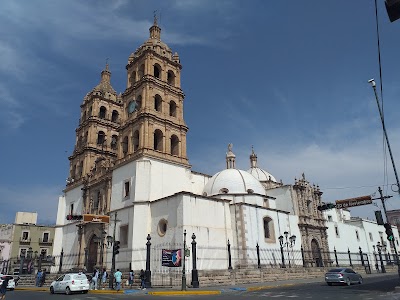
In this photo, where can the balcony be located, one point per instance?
(45, 241)
(24, 240)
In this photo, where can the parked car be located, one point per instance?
(11, 282)
(70, 283)
(342, 275)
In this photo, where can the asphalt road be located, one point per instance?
(371, 289)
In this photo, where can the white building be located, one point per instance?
(130, 161)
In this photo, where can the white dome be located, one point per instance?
(233, 181)
(261, 175)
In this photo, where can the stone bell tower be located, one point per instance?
(153, 104)
(97, 132)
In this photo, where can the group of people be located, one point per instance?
(118, 279)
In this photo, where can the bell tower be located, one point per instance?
(97, 132)
(153, 104)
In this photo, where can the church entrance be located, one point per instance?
(92, 254)
(316, 253)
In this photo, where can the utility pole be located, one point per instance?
(387, 221)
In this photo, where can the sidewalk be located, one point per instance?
(209, 290)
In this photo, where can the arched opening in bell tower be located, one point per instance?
(114, 116)
(174, 145)
(171, 78)
(172, 108)
(157, 103)
(135, 141)
(102, 112)
(100, 138)
(158, 140)
(157, 71)
(141, 72)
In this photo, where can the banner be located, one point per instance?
(171, 258)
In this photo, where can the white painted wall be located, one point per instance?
(283, 197)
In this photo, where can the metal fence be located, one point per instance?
(207, 258)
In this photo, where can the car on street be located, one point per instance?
(70, 283)
(342, 275)
(11, 282)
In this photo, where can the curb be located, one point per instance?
(37, 289)
(166, 293)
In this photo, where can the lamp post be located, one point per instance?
(280, 238)
(376, 260)
(379, 246)
(103, 241)
(292, 241)
(289, 243)
(183, 288)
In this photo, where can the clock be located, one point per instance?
(132, 106)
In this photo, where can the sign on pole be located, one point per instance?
(351, 202)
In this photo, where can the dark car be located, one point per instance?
(342, 275)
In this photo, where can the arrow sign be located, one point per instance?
(351, 202)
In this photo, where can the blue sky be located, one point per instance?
(289, 77)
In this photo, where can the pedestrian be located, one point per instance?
(131, 277)
(142, 279)
(104, 277)
(118, 279)
(43, 279)
(3, 287)
(39, 277)
(95, 278)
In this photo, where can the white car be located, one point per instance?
(70, 283)
(11, 282)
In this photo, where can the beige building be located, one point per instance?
(28, 240)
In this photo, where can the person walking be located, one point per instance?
(142, 279)
(118, 279)
(95, 278)
(38, 277)
(131, 277)
(104, 277)
(3, 287)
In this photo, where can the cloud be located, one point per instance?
(10, 116)
(40, 198)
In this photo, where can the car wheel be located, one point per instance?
(348, 282)
(68, 291)
(360, 280)
(51, 290)
(329, 283)
(85, 292)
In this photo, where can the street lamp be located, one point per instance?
(280, 238)
(183, 288)
(379, 246)
(289, 243)
(376, 260)
(103, 241)
(292, 241)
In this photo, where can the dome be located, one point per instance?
(261, 175)
(233, 181)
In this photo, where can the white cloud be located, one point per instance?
(10, 115)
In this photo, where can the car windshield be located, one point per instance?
(335, 270)
(80, 276)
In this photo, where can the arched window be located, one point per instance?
(157, 71)
(125, 145)
(158, 140)
(114, 140)
(80, 169)
(174, 145)
(269, 232)
(101, 137)
(133, 77)
(102, 112)
(172, 108)
(171, 78)
(138, 102)
(73, 171)
(141, 72)
(157, 103)
(135, 140)
(114, 116)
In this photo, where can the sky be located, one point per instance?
(289, 78)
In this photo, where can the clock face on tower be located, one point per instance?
(132, 106)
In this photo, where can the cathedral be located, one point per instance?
(130, 178)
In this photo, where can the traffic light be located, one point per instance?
(326, 206)
(389, 232)
(74, 217)
(116, 247)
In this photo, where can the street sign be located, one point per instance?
(96, 218)
(351, 202)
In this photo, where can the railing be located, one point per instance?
(23, 240)
(45, 241)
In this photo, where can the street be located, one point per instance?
(372, 289)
